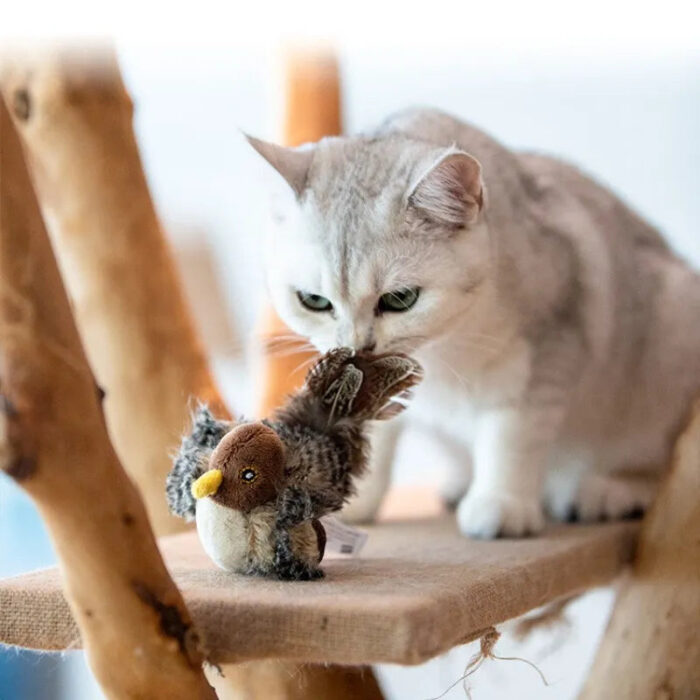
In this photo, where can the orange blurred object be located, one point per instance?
(311, 111)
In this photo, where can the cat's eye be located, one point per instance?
(400, 300)
(314, 302)
(248, 474)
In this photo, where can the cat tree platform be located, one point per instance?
(417, 589)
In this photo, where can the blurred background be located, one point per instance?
(618, 94)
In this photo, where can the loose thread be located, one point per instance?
(487, 643)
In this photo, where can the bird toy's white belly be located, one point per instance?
(240, 542)
(223, 533)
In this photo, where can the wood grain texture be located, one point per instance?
(75, 118)
(651, 648)
(54, 444)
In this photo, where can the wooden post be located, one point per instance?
(75, 117)
(651, 648)
(138, 635)
(311, 111)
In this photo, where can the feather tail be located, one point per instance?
(345, 384)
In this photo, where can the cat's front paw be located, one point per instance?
(490, 515)
(361, 509)
(454, 488)
(601, 497)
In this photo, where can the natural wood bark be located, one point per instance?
(75, 117)
(287, 680)
(651, 648)
(53, 442)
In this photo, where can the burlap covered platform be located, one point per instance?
(418, 589)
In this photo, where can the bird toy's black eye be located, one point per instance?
(249, 475)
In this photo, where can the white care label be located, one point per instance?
(342, 538)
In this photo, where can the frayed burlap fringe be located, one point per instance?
(487, 643)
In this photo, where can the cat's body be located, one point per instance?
(558, 332)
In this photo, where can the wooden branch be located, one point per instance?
(289, 680)
(75, 117)
(651, 648)
(138, 634)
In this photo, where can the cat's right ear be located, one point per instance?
(451, 192)
(291, 163)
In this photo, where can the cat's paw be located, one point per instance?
(453, 489)
(361, 509)
(601, 497)
(490, 515)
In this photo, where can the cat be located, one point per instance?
(559, 334)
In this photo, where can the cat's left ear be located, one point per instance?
(291, 163)
(451, 192)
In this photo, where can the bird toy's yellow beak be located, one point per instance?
(207, 484)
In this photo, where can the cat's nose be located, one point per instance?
(370, 346)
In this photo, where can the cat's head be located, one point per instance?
(382, 244)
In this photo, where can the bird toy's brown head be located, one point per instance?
(245, 470)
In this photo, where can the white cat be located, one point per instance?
(559, 334)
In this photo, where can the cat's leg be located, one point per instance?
(459, 472)
(371, 488)
(510, 453)
(574, 493)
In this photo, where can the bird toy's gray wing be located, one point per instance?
(191, 459)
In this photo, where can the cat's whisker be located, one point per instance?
(289, 352)
(284, 341)
(303, 365)
(290, 349)
(466, 384)
(292, 337)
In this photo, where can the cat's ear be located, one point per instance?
(291, 163)
(451, 192)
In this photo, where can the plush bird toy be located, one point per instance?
(258, 489)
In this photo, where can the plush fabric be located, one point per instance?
(417, 589)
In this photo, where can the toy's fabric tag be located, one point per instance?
(342, 538)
